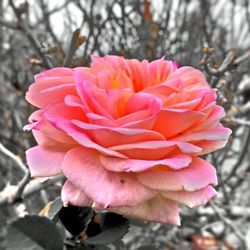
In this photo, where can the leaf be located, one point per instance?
(52, 209)
(113, 227)
(33, 232)
(75, 219)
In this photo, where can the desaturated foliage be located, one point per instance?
(211, 35)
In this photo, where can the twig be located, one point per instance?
(227, 64)
(14, 157)
(25, 180)
(238, 110)
(21, 186)
(238, 121)
(242, 58)
(7, 24)
(72, 48)
(33, 187)
(235, 211)
(228, 223)
(36, 45)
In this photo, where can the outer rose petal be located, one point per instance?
(44, 161)
(74, 196)
(189, 76)
(47, 142)
(132, 165)
(191, 199)
(197, 175)
(51, 131)
(216, 132)
(82, 167)
(157, 209)
(55, 72)
(43, 98)
(210, 146)
(215, 115)
(51, 86)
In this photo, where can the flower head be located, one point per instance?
(127, 135)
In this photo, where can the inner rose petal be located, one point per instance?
(177, 161)
(111, 136)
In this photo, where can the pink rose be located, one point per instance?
(127, 135)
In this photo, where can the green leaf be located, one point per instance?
(75, 219)
(113, 227)
(33, 232)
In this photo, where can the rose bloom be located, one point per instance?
(127, 135)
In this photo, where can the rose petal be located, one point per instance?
(141, 111)
(58, 112)
(216, 114)
(108, 103)
(191, 199)
(197, 175)
(55, 72)
(52, 132)
(82, 167)
(164, 89)
(157, 209)
(111, 136)
(71, 195)
(188, 105)
(171, 122)
(44, 161)
(46, 142)
(43, 94)
(132, 165)
(84, 139)
(210, 146)
(189, 76)
(216, 132)
(100, 120)
(155, 150)
(159, 70)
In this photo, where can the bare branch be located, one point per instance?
(33, 187)
(229, 223)
(14, 157)
(72, 48)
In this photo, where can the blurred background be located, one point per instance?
(212, 35)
